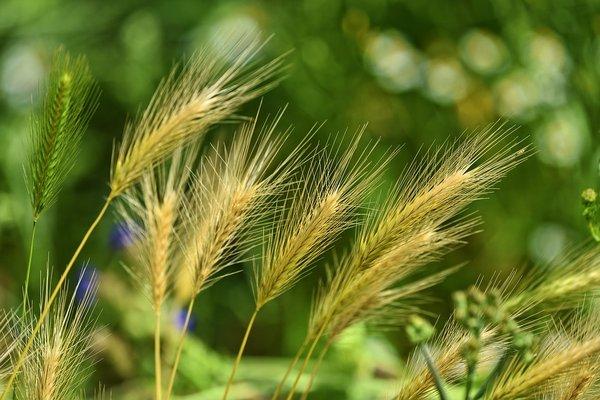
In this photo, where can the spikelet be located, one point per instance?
(412, 229)
(55, 369)
(447, 354)
(227, 200)
(10, 336)
(191, 99)
(318, 213)
(562, 354)
(152, 211)
(578, 384)
(574, 277)
(69, 100)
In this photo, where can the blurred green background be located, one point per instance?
(419, 72)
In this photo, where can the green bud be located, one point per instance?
(419, 330)
(589, 196)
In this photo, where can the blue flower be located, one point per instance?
(87, 279)
(179, 320)
(122, 235)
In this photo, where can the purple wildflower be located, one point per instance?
(179, 320)
(87, 283)
(122, 235)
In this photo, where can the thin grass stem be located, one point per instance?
(240, 353)
(315, 369)
(157, 359)
(469, 382)
(437, 378)
(492, 377)
(26, 288)
(182, 337)
(311, 350)
(23, 354)
(289, 370)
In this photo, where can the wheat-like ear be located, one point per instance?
(413, 228)
(319, 211)
(153, 212)
(562, 354)
(564, 285)
(577, 384)
(195, 96)
(227, 200)
(55, 369)
(68, 101)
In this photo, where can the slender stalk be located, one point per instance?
(315, 369)
(305, 363)
(23, 354)
(180, 347)
(469, 382)
(437, 379)
(240, 353)
(29, 261)
(157, 360)
(492, 377)
(289, 370)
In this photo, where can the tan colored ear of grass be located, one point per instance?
(153, 213)
(518, 382)
(192, 98)
(227, 201)
(563, 356)
(413, 228)
(322, 209)
(565, 285)
(55, 370)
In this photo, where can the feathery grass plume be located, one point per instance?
(414, 227)
(154, 214)
(332, 190)
(575, 276)
(69, 100)
(578, 384)
(10, 336)
(227, 200)
(195, 96)
(153, 211)
(447, 355)
(562, 354)
(55, 368)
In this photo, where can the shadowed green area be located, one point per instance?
(419, 72)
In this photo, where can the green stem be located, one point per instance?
(240, 353)
(437, 379)
(29, 261)
(470, 378)
(306, 359)
(289, 370)
(315, 369)
(492, 377)
(157, 360)
(180, 348)
(23, 354)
